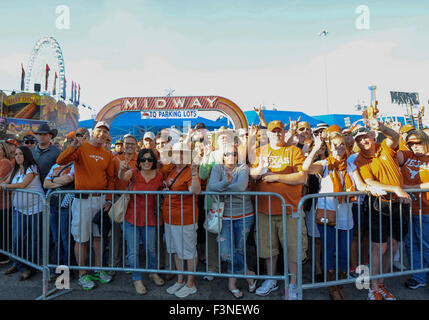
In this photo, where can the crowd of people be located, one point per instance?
(292, 159)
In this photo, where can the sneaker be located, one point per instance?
(175, 287)
(208, 278)
(385, 293)
(86, 282)
(267, 287)
(101, 276)
(185, 291)
(374, 295)
(292, 292)
(414, 284)
(5, 261)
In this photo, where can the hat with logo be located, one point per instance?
(12, 141)
(149, 135)
(275, 124)
(102, 124)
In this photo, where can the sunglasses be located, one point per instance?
(146, 159)
(29, 142)
(78, 135)
(411, 143)
(227, 154)
(303, 129)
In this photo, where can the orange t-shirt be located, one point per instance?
(93, 167)
(190, 210)
(165, 169)
(383, 167)
(121, 184)
(415, 170)
(403, 145)
(285, 160)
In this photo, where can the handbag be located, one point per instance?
(213, 222)
(119, 208)
(328, 217)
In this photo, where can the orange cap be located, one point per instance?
(275, 124)
(406, 128)
(334, 128)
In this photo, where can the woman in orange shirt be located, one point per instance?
(180, 213)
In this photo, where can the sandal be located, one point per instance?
(157, 279)
(236, 293)
(252, 287)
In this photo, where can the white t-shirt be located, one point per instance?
(28, 203)
(344, 210)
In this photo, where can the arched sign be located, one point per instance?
(139, 104)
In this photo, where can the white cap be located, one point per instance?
(102, 124)
(149, 135)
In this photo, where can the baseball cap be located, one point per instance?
(334, 128)
(102, 124)
(200, 125)
(406, 128)
(119, 142)
(81, 131)
(12, 141)
(149, 135)
(411, 137)
(359, 131)
(303, 124)
(275, 124)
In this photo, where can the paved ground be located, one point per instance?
(121, 288)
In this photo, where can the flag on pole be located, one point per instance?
(74, 93)
(78, 94)
(71, 93)
(22, 77)
(54, 92)
(64, 89)
(46, 77)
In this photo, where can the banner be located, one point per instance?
(46, 77)
(54, 92)
(22, 77)
(169, 114)
(411, 98)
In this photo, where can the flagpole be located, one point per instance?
(324, 34)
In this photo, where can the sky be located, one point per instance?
(252, 52)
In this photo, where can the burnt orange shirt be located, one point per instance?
(403, 145)
(382, 167)
(165, 169)
(121, 184)
(93, 167)
(415, 170)
(285, 160)
(189, 214)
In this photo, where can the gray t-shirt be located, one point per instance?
(233, 204)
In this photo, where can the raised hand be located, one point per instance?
(76, 144)
(258, 110)
(123, 165)
(293, 125)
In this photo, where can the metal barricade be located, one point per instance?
(74, 249)
(397, 221)
(22, 232)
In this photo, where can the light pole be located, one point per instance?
(324, 34)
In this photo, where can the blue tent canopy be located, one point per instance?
(338, 119)
(283, 116)
(131, 122)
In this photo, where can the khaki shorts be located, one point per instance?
(276, 237)
(181, 240)
(83, 210)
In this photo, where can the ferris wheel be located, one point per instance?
(47, 51)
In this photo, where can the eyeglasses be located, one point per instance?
(29, 142)
(303, 129)
(227, 154)
(146, 159)
(411, 143)
(78, 135)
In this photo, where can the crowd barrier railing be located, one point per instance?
(360, 249)
(22, 226)
(117, 240)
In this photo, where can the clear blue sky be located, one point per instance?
(253, 52)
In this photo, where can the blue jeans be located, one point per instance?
(27, 240)
(60, 219)
(133, 242)
(414, 237)
(344, 245)
(232, 242)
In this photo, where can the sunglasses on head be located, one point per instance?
(146, 159)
